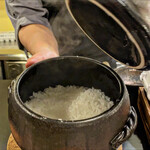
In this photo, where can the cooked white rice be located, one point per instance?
(69, 103)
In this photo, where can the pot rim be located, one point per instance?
(105, 114)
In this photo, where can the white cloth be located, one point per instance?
(145, 78)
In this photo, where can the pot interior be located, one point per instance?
(111, 27)
(65, 71)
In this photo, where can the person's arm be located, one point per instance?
(39, 41)
(32, 29)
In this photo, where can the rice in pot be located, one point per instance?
(69, 103)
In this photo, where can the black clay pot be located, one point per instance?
(103, 132)
(116, 28)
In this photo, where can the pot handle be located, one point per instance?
(127, 131)
(10, 86)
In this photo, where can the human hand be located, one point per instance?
(39, 41)
(120, 147)
(41, 55)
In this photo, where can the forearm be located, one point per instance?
(36, 38)
(32, 28)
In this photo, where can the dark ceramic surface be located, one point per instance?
(35, 132)
(107, 34)
(138, 140)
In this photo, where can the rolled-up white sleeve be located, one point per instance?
(25, 12)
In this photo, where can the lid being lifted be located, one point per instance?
(115, 28)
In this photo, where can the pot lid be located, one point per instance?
(116, 28)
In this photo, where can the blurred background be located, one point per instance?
(12, 60)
